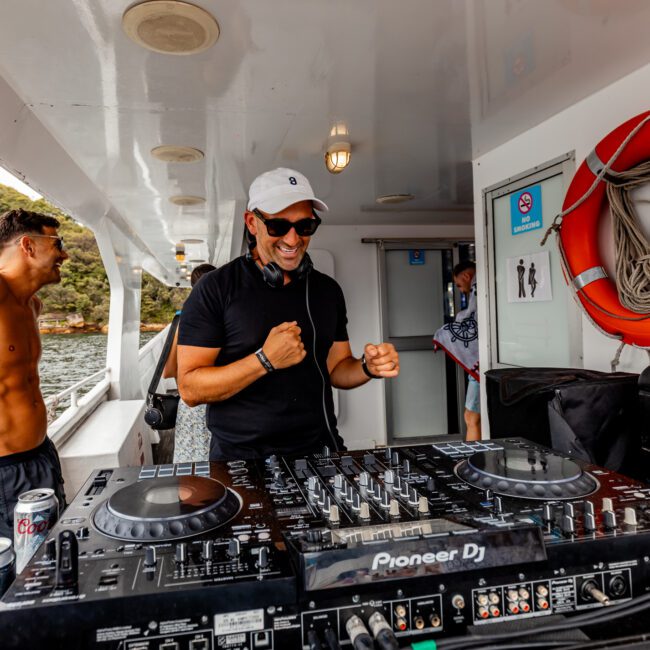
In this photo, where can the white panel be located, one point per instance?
(414, 293)
(532, 333)
(419, 396)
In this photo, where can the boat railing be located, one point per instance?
(60, 427)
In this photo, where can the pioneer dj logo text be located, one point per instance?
(469, 551)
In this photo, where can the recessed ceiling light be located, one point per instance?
(197, 261)
(170, 27)
(176, 154)
(185, 200)
(192, 241)
(394, 198)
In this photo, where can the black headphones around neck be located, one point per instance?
(274, 275)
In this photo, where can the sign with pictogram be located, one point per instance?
(526, 210)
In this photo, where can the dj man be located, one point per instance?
(263, 339)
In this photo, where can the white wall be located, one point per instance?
(362, 417)
(578, 128)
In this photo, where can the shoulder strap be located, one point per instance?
(164, 354)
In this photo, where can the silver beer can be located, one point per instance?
(7, 564)
(35, 514)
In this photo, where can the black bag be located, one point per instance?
(589, 415)
(160, 413)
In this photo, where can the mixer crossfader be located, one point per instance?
(384, 546)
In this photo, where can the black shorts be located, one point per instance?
(26, 470)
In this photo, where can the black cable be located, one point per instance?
(601, 615)
(568, 644)
(322, 376)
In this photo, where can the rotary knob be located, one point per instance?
(364, 479)
(406, 466)
(423, 506)
(263, 557)
(181, 553)
(364, 511)
(393, 508)
(389, 476)
(234, 548)
(150, 556)
(339, 482)
(207, 546)
(609, 520)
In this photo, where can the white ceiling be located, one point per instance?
(423, 86)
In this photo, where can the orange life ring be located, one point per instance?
(578, 235)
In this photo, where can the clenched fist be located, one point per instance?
(283, 346)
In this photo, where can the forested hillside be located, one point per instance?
(84, 286)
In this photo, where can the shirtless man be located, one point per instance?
(31, 254)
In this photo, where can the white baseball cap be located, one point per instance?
(279, 188)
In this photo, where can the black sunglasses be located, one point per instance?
(280, 227)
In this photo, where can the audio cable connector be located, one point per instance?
(382, 632)
(358, 633)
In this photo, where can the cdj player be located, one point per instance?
(386, 546)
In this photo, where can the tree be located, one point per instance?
(84, 286)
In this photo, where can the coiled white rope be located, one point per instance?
(631, 245)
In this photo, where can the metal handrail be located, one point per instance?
(53, 401)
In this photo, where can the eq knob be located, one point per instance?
(568, 525)
(234, 548)
(150, 556)
(548, 514)
(364, 511)
(404, 492)
(335, 518)
(314, 536)
(263, 557)
(568, 509)
(423, 506)
(50, 550)
(364, 479)
(389, 477)
(385, 500)
(395, 459)
(393, 508)
(497, 505)
(339, 482)
(414, 497)
(406, 466)
(356, 501)
(181, 553)
(629, 518)
(206, 550)
(278, 479)
(589, 508)
(397, 483)
(327, 504)
(609, 519)
(431, 484)
(589, 522)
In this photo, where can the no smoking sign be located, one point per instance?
(526, 210)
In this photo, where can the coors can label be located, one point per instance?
(35, 513)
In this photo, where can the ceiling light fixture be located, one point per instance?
(176, 154)
(170, 27)
(180, 252)
(192, 241)
(338, 152)
(391, 199)
(185, 200)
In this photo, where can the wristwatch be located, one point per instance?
(364, 367)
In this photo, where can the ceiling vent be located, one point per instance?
(170, 27)
(391, 199)
(174, 154)
(192, 241)
(185, 200)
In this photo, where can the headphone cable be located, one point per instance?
(322, 376)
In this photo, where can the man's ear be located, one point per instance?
(251, 222)
(27, 246)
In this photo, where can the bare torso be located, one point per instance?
(23, 419)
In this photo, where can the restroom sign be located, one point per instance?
(526, 210)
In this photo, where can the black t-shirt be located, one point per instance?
(283, 412)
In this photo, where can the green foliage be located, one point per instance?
(84, 286)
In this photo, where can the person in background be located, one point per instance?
(459, 340)
(31, 255)
(264, 339)
(191, 435)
